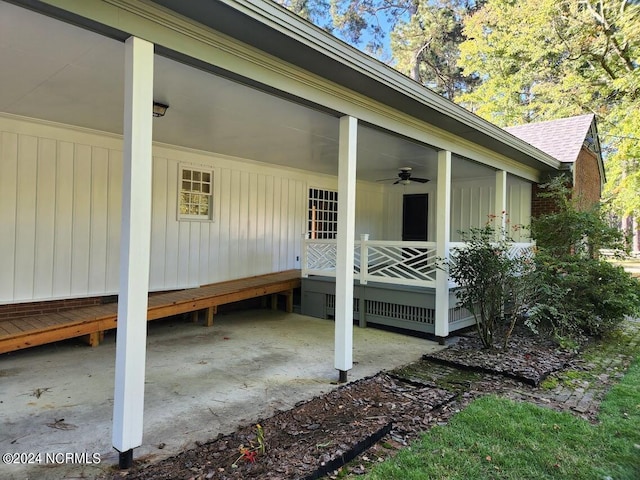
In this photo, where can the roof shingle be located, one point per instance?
(561, 139)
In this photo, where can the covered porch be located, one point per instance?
(200, 383)
(264, 107)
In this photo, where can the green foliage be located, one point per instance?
(425, 46)
(583, 295)
(571, 230)
(494, 286)
(548, 59)
(579, 293)
(623, 170)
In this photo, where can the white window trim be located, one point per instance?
(181, 217)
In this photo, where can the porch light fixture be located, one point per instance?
(159, 109)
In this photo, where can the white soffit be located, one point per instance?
(58, 72)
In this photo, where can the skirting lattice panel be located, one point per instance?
(400, 312)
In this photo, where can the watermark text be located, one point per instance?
(55, 458)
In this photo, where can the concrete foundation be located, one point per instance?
(200, 382)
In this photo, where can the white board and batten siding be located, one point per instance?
(60, 201)
(472, 202)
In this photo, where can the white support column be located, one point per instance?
(345, 245)
(131, 334)
(364, 258)
(303, 256)
(501, 203)
(443, 238)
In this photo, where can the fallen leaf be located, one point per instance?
(61, 425)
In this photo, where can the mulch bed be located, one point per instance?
(528, 358)
(384, 412)
(312, 439)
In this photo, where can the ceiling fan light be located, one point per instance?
(405, 182)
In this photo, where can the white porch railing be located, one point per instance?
(394, 262)
(516, 249)
(399, 263)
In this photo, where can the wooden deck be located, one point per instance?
(92, 322)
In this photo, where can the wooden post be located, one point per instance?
(443, 237)
(93, 339)
(128, 401)
(289, 295)
(211, 311)
(345, 245)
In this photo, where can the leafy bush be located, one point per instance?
(493, 286)
(582, 295)
(570, 230)
(579, 293)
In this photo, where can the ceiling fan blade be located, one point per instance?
(387, 179)
(419, 180)
(397, 182)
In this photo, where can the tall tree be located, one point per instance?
(418, 37)
(544, 59)
(425, 46)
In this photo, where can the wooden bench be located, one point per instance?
(92, 322)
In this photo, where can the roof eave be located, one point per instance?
(269, 27)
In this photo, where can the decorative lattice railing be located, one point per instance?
(515, 249)
(319, 257)
(400, 263)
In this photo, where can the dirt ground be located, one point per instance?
(368, 420)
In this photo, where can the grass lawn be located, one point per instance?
(495, 438)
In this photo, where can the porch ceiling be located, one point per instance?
(58, 72)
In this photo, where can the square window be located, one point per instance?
(195, 198)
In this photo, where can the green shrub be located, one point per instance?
(493, 286)
(571, 230)
(579, 293)
(582, 295)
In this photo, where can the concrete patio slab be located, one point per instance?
(57, 400)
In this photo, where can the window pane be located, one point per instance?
(186, 174)
(183, 203)
(196, 176)
(206, 188)
(206, 177)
